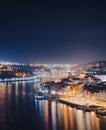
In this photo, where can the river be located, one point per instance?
(20, 111)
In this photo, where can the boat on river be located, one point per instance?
(101, 112)
(39, 97)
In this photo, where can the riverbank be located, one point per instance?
(76, 102)
(99, 110)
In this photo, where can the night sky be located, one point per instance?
(52, 32)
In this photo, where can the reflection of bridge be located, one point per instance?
(35, 77)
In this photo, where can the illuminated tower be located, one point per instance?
(67, 68)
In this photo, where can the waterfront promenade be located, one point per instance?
(75, 96)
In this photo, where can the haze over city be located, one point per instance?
(52, 31)
(52, 65)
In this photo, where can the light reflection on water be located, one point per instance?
(19, 110)
(63, 117)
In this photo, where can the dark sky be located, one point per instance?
(53, 32)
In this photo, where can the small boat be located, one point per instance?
(101, 112)
(79, 107)
(39, 97)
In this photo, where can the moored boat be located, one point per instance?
(39, 97)
(101, 112)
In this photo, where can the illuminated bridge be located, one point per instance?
(35, 77)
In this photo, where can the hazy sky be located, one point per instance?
(53, 32)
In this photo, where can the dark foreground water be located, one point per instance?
(19, 111)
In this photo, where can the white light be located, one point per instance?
(43, 91)
(46, 91)
(53, 92)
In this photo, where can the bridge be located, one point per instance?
(35, 77)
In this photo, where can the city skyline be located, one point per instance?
(52, 32)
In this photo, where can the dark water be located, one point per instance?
(19, 111)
